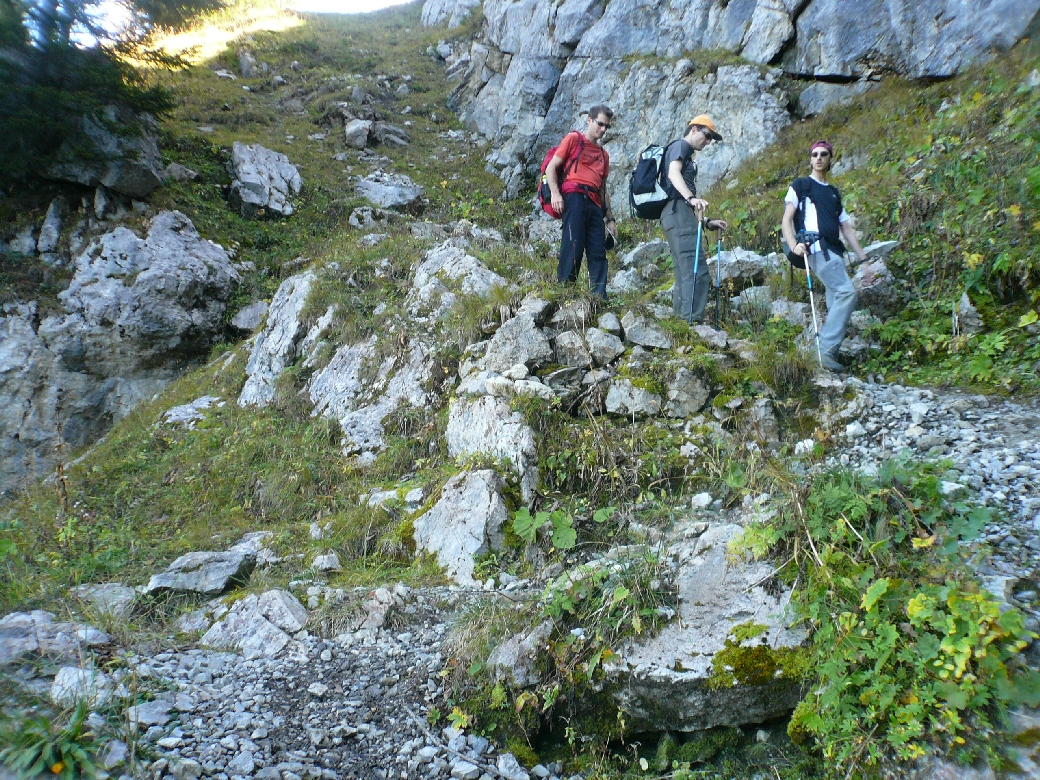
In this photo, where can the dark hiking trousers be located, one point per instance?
(689, 295)
(583, 233)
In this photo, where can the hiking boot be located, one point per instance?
(828, 362)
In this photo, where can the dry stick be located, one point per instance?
(440, 743)
(816, 555)
(861, 540)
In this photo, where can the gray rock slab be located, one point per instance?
(206, 573)
(22, 633)
(276, 346)
(128, 163)
(518, 341)
(604, 347)
(391, 191)
(644, 332)
(663, 681)
(627, 400)
(72, 684)
(111, 598)
(250, 317)
(571, 350)
(150, 713)
(465, 522)
(488, 426)
(687, 392)
(264, 181)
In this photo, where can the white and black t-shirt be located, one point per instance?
(823, 212)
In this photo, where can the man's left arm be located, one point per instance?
(850, 237)
(608, 214)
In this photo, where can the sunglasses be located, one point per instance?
(821, 154)
(604, 125)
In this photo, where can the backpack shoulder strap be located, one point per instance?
(572, 163)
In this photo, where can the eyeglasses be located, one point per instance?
(821, 154)
(604, 125)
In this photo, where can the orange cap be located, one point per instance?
(705, 121)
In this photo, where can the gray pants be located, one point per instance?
(841, 299)
(689, 299)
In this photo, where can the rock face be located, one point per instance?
(487, 426)
(447, 12)
(135, 309)
(264, 181)
(129, 164)
(360, 401)
(666, 682)
(466, 522)
(536, 63)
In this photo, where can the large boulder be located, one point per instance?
(487, 426)
(644, 332)
(391, 191)
(876, 289)
(466, 522)
(744, 266)
(276, 347)
(731, 658)
(133, 301)
(258, 625)
(518, 341)
(127, 162)
(629, 400)
(264, 181)
(136, 310)
(204, 573)
(687, 392)
(444, 272)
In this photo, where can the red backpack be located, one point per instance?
(544, 193)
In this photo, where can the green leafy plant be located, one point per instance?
(63, 745)
(910, 656)
(526, 526)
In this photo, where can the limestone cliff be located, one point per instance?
(535, 64)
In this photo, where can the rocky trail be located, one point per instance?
(291, 705)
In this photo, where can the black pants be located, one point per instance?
(583, 233)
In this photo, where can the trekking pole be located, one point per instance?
(812, 305)
(696, 261)
(718, 278)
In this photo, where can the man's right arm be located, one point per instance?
(788, 228)
(552, 172)
(676, 179)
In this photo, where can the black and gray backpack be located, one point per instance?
(646, 193)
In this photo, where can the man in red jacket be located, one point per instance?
(583, 200)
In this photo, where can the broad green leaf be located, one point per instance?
(525, 526)
(874, 592)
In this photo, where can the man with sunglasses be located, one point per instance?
(583, 201)
(814, 206)
(683, 219)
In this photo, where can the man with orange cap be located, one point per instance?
(683, 218)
